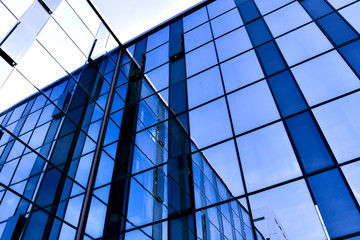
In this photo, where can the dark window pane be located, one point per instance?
(249, 11)
(336, 206)
(338, 30)
(270, 58)
(309, 144)
(258, 31)
(286, 94)
(316, 8)
(351, 53)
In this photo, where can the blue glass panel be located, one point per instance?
(204, 87)
(267, 157)
(351, 14)
(226, 23)
(197, 37)
(316, 8)
(233, 43)
(220, 6)
(96, 219)
(195, 19)
(309, 144)
(340, 3)
(286, 19)
(286, 94)
(351, 53)
(200, 59)
(338, 30)
(73, 210)
(272, 208)
(229, 172)
(270, 58)
(157, 38)
(105, 169)
(177, 68)
(205, 132)
(241, 70)
(258, 31)
(303, 43)
(338, 210)
(159, 77)
(340, 122)
(25, 167)
(157, 57)
(112, 133)
(252, 107)
(30, 122)
(249, 11)
(325, 77)
(352, 175)
(266, 6)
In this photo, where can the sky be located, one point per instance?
(129, 19)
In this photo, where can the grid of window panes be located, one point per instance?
(48, 140)
(245, 126)
(268, 92)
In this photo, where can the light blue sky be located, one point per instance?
(131, 18)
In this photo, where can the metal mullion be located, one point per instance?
(96, 160)
(104, 22)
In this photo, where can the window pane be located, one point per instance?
(266, 6)
(241, 70)
(338, 210)
(325, 77)
(252, 107)
(258, 31)
(200, 59)
(157, 57)
(352, 175)
(340, 123)
(351, 14)
(270, 58)
(220, 6)
(226, 22)
(303, 43)
(350, 52)
(195, 19)
(309, 144)
(232, 44)
(197, 37)
(204, 87)
(286, 94)
(338, 30)
(340, 3)
(286, 19)
(267, 157)
(210, 123)
(271, 212)
(157, 38)
(316, 8)
(223, 159)
(248, 11)
(159, 77)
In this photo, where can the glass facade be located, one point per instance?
(235, 120)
